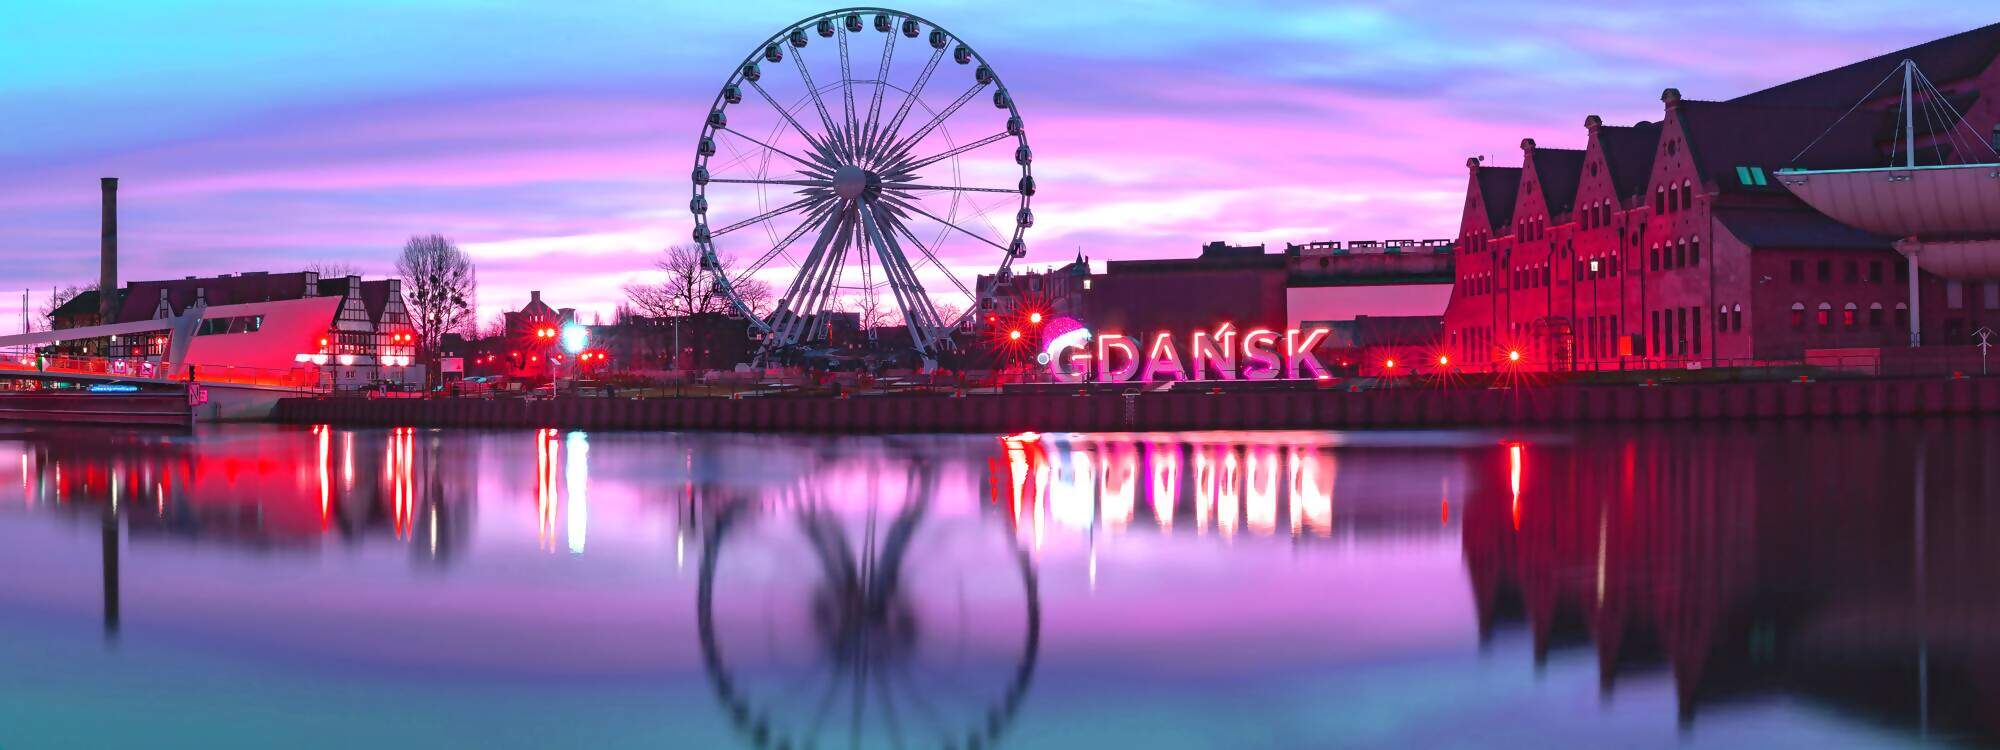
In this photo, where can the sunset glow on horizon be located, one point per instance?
(554, 143)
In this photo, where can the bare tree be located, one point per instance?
(333, 269)
(690, 287)
(439, 282)
(46, 315)
(949, 312)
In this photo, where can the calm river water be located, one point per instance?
(1762, 585)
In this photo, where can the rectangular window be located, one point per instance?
(1694, 315)
(1875, 316)
(1655, 348)
(1798, 271)
(1902, 273)
(1743, 175)
(1757, 173)
(1875, 272)
(1954, 295)
(1991, 292)
(1681, 331)
(1825, 268)
(1851, 272)
(240, 324)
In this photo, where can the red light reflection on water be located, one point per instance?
(1234, 481)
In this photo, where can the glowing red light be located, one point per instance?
(1035, 318)
(1444, 360)
(1014, 335)
(1389, 364)
(1513, 355)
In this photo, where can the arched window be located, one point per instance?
(1694, 252)
(1681, 253)
(1849, 315)
(1654, 262)
(1825, 315)
(1659, 200)
(1687, 194)
(1902, 313)
(1736, 317)
(1673, 200)
(1798, 315)
(1875, 315)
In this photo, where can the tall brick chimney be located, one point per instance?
(107, 271)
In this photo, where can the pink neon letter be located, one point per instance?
(1260, 354)
(1163, 359)
(1299, 353)
(1112, 342)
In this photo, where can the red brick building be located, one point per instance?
(1672, 243)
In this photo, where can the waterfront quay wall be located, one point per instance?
(1111, 412)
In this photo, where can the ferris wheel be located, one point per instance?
(838, 183)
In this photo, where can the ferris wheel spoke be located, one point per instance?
(787, 114)
(852, 125)
(934, 260)
(775, 149)
(806, 202)
(881, 85)
(833, 138)
(917, 136)
(967, 232)
(951, 188)
(800, 183)
(888, 133)
(912, 166)
(818, 215)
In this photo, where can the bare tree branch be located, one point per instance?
(690, 289)
(439, 288)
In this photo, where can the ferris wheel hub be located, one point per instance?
(853, 182)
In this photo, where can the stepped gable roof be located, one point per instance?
(1497, 186)
(1722, 136)
(1779, 229)
(1628, 153)
(1951, 58)
(1559, 169)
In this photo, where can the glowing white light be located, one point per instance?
(346, 359)
(574, 337)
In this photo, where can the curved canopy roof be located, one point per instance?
(1959, 202)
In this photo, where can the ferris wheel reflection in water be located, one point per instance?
(889, 624)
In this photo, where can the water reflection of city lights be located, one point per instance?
(576, 473)
(1514, 481)
(1235, 482)
(547, 452)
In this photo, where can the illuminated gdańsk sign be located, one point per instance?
(1222, 354)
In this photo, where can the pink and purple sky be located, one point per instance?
(553, 141)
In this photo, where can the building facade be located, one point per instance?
(1673, 243)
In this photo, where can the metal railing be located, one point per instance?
(295, 378)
